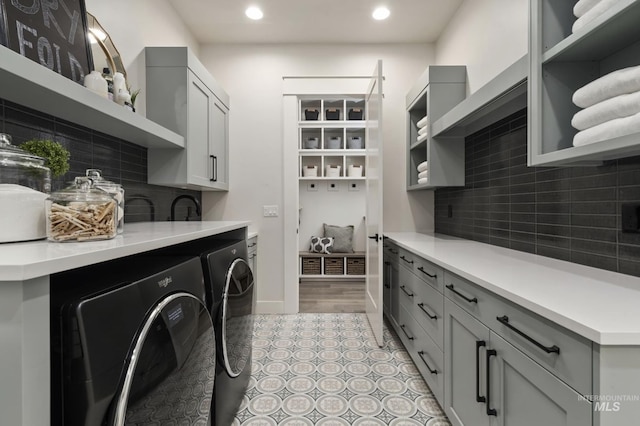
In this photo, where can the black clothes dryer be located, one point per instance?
(133, 343)
(231, 299)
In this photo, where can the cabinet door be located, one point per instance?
(525, 394)
(386, 287)
(219, 143)
(394, 296)
(199, 133)
(465, 345)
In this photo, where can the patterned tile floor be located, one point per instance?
(326, 369)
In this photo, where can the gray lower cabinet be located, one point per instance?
(490, 382)
(252, 256)
(184, 97)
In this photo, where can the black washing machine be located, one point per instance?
(231, 300)
(133, 343)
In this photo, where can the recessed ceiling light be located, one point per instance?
(381, 13)
(254, 12)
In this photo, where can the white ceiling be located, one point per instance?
(316, 21)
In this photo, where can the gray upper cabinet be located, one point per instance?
(184, 97)
(562, 61)
(439, 89)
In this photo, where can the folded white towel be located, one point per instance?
(423, 166)
(626, 80)
(609, 109)
(423, 121)
(423, 174)
(422, 137)
(423, 130)
(597, 10)
(423, 180)
(608, 130)
(583, 6)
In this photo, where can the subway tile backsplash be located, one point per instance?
(568, 213)
(119, 160)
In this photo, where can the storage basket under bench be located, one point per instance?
(348, 265)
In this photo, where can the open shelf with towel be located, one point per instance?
(441, 160)
(566, 55)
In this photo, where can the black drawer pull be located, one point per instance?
(405, 332)
(431, 370)
(474, 300)
(214, 168)
(490, 411)
(421, 306)
(405, 291)
(387, 286)
(548, 349)
(394, 251)
(421, 269)
(410, 262)
(387, 263)
(479, 344)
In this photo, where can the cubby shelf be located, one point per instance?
(561, 62)
(32, 85)
(352, 264)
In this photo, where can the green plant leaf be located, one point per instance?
(56, 155)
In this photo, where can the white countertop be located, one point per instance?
(23, 261)
(600, 305)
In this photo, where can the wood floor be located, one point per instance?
(331, 296)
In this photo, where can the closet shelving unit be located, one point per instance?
(333, 121)
(329, 152)
(562, 62)
(439, 89)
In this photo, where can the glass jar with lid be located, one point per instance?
(19, 167)
(81, 212)
(115, 189)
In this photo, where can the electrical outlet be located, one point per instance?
(312, 186)
(332, 186)
(354, 186)
(270, 211)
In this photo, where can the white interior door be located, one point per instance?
(373, 171)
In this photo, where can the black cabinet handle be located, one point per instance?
(490, 411)
(421, 269)
(548, 349)
(474, 300)
(387, 263)
(431, 370)
(405, 291)
(214, 168)
(410, 262)
(387, 286)
(375, 237)
(421, 306)
(405, 332)
(394, 251)
(479, 344)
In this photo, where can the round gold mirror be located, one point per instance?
(105, 53)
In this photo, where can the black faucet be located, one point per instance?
(152, 208)
(180, 197)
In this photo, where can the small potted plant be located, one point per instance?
(56, 155)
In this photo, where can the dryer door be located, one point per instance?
(237, 317)
(170, 370)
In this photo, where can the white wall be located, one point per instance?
(133, 25)
(252, 75)
(485, 35)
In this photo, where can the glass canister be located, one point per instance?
(19, 167)
(115, 189)
(81, 212)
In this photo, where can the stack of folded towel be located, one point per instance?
(422, 129)
(588, 10)
(423, 172)
(611, 107)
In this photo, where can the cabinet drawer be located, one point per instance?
(426, 305)
(470, 297)
(426, 355)
(391, 250)
(406, 259)
(562, 352)
(430, 273)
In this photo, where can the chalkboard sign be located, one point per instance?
(50, 32)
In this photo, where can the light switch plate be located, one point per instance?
(270, 211)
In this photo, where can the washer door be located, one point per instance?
(237, 317)
(170, 370)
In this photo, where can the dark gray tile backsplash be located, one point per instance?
(568, 213)
(119, 160)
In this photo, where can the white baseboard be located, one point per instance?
(270, 307)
